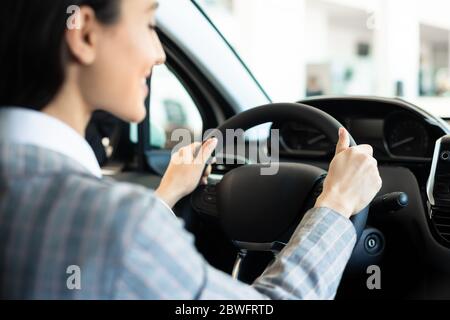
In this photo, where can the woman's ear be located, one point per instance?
(82, 36)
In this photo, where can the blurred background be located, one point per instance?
(301, 48)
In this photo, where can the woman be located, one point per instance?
(67, 233)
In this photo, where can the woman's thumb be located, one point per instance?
(344, 141)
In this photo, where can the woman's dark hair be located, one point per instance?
(33, 52)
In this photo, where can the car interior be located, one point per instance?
(406, 230)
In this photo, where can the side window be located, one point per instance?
(171, 107)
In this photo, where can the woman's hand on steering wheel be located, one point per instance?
(185, 171)
(353, 178)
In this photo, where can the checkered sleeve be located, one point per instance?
(160, 261)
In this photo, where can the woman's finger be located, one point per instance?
(207, 149)
(194, 148)
(207, 171)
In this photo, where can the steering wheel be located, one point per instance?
(261, 212)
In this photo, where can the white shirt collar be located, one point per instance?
(25, 126)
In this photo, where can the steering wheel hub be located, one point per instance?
(273, 203)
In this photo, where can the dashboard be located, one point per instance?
(396, 130)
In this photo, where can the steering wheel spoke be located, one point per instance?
(274, 247)
(204, 200)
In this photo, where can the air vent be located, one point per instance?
(441, 223)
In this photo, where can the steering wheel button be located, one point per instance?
(209, 198)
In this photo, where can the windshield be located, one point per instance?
(303, 48)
